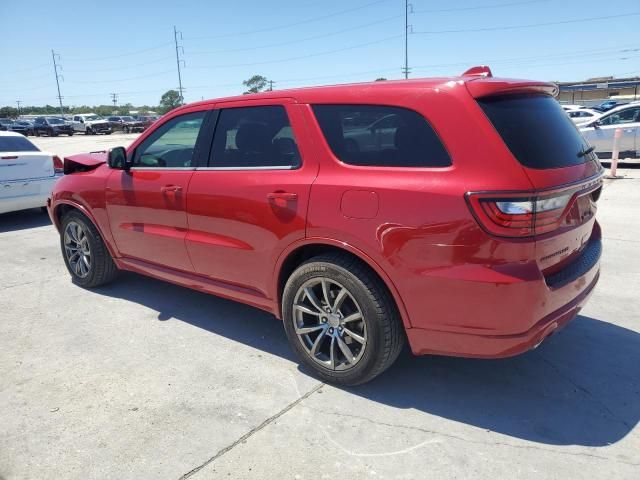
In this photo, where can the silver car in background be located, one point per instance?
(600, 131)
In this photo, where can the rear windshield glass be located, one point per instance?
(537, 131)
(16, 144)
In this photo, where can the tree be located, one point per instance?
(170, 100)
(380, 79)
(255, 84)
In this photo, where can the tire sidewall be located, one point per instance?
(373, 320)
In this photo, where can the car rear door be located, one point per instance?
(146, 205)
(250, 202)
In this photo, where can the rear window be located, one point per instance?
(16, 144)
(537, 130)
(376, 135)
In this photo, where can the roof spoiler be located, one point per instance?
(482, 84)
(478, 71)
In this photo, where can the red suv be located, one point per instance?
(455, 213)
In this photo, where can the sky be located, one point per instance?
(127, 47)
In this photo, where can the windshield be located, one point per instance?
(55, 121)
(537, 130)
(128, 119)
(16, 144)
(92, 117)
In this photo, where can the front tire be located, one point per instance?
(341, 320)
(84, 252)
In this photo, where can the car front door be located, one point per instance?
(601, 135)
(146, 205)
(250, 202)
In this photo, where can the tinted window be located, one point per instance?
(16, 144)
(380, 136)
(628, 115)
(172, 145)
(536, 130)
(254, 137)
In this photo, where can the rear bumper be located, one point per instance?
(424, 341)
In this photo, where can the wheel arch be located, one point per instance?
(64, 206)
(301, 251)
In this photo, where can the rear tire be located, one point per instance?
(346, 342)
(84, 252)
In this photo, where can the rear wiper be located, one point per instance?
(582, 153)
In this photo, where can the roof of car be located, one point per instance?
(483, 85)
(11, 134)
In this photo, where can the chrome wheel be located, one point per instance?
(76, 249)
(329, 324)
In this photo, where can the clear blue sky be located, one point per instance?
(127, 46)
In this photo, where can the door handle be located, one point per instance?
(171, 189)
(280, 199)
(282, 196)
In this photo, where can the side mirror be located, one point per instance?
(117, 158)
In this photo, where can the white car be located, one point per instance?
(600, 131)
(583, 115)
(27, 175)
(572, 107)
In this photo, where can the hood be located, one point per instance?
(84, 162)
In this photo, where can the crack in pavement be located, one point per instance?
(477, 442)
(251, 432)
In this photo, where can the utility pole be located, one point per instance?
(408, 8)
(175, 39)
(55, 69)
(114, 99)
(271, 82)
(18, 102)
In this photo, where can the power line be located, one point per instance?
(300, 57)
(480, 7)
(55, 69)
(126, 54)
(530, 25)
(289, 25)
(175, 38)
(124, 79)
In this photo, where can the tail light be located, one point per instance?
(534, 213)
(58, 165)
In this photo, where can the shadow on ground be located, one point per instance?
(580, 387)
(23, 219)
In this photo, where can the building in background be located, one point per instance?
(596, 90)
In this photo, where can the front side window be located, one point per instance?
(259, 137)
(629, 115)
(171, 145)
(377, 135)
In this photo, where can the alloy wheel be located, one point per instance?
(77, 249)
(329, 324)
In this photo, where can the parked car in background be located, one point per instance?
(5, 124)
(25, 127)
(606, 106)
(27, 175)
(126, 124)
(480, 244)
(91, 124)
(52, 126)
(583, 115)
(572, 107)
(601, 130)
(146, 120)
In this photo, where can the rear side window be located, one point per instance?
(254, 137)
(537, 130)
(16, 144)
(381, 136)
